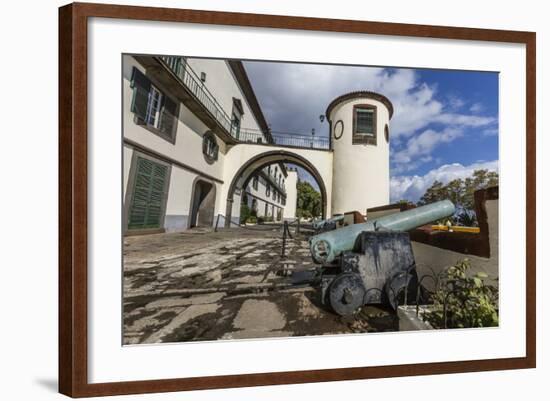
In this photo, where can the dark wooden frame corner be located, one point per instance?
(73, 357)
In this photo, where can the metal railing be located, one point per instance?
(301, 141)
(285, 139)
(196, 86)
(191, 81)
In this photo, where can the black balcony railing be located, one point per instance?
(301, 141)
(285, 139)
(193, 83)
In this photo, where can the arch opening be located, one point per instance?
(203, 201)
(258, 162)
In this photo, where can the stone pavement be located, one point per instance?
(231, 284)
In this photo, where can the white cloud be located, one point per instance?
(490, 131)
(464, 120)
(476, 108)
(423, 144)
(455, 102)
(293, 96)
(413, 187)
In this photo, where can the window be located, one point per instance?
(274, 194)
(152, 117)
(210, 147)
(255, 182)
(387, 133)
(267, 189)
(236, 117)
(235, 125)
(364, 124)
(152, 108)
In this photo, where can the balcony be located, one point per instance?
(185, 84)
(193, 83)
(286, 139)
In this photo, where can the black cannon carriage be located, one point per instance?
(372, 262)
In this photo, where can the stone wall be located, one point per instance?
(436, 250)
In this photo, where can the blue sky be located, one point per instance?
(445, 123)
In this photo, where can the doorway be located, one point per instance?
(202, 205)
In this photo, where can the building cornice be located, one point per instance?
(360, 95)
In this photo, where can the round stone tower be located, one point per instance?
(360, 136)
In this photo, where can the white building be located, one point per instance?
(266, 193)
(195, 140)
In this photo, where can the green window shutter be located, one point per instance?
(141, 85)
(149, 194)
(169, 116)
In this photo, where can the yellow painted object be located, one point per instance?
(460, 229)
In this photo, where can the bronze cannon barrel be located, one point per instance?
(327, 246)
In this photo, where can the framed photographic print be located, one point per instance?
(290, 200)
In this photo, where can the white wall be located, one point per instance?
(29, 342)
(240, 154)
(220, 81)
(291, 195)
(261, 197)
(188, 145)
(127, 155)
(361, 173)
(430, 259)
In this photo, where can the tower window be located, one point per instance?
(364, 124)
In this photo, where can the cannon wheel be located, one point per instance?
(346, 294)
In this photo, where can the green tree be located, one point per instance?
(480, 179)
(461, 193)
(308, 202)
(433, 194)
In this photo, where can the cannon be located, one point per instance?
(338, 221)
(371, 262)
(327, 224)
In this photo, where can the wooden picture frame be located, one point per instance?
(73, 193)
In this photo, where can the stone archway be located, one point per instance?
(257, 162)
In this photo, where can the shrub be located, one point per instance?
(245, 213)
(463, 300)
